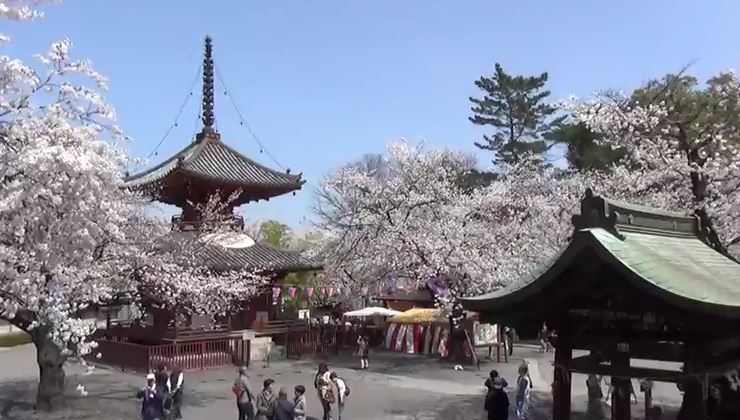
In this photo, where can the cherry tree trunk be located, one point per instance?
(50, 393)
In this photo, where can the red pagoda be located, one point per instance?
(205, 169)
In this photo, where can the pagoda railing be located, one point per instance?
(235, 222)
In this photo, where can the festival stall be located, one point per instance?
(419, 331)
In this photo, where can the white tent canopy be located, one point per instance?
(372, 311)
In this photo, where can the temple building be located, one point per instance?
(209, 170)
(633, 285)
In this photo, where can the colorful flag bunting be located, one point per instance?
(292, 291)
(275, 293)
(309, 292)
(363, 291)
(330, 292)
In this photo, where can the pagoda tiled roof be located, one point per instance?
(239, 252)
(208, 158)
(258, 257)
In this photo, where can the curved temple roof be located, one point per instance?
(210, 159)
(665, 254)
(237, 251)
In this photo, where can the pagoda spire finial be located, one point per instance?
(208, 88)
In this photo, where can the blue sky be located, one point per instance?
(324, 82)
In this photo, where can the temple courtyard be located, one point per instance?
(396, 386)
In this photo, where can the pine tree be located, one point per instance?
(583, 152)
(515, 106)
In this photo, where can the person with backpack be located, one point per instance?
(342, 393)
(523, 388)
(243, 395)
(497, 402)
(322, 383)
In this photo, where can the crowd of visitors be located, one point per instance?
(332, 391)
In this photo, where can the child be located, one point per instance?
(342, 393)
(299, 404)
(362, 351)
(524, 384)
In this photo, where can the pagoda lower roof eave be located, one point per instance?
(258, 258)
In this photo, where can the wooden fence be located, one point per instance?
(323, 341)
(187, 356)
(329, 340)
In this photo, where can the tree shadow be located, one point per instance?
(107, 397)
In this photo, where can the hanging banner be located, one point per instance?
(363, 291)
(275, 293)
(309, 292)
(292, 292)
(323, 291)
(330, 292)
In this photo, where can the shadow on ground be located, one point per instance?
(104, 399)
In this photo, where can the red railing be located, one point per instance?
(123, 355)
(187, 356)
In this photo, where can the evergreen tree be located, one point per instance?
(516, 109)
(583, 152)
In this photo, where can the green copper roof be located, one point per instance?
(678, 268)
(671, 256)
(682, 266)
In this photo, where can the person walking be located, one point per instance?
(265, 401)
(497, 402)
(322, 383)
(342, 393)
(363, 349)
(544, 336)
(243, 395)
(177, 378)
(523, 388)
(152, 401)
(509, 340)
(299, 403)
(283, 407)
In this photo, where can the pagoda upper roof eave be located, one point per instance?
(212, 160)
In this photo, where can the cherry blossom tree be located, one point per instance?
(418, 221)
(681, 147)
(71, 237)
